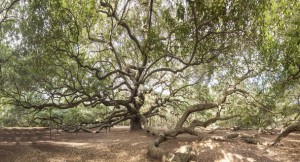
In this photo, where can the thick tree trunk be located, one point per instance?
(135, 124)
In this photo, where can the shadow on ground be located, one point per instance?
(34, 144)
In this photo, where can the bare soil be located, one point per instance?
(35, 145)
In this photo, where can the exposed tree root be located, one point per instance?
(251, 139)
(224, 138)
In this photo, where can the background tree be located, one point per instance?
(6, 20)
(282, 40)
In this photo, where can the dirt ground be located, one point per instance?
(35, 145)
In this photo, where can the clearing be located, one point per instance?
(34, 144)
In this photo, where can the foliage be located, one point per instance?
(112, 61)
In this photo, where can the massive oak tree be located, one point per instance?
(200, 61)
(134, 56)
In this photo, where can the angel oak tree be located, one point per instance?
(133, 56)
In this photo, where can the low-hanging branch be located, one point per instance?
(181, 129)
(291, 128)
(197, 123)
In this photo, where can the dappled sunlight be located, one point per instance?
(122, 153)
(205, 148)
(231, 157)
(71, 144)
(183, 143)
(211, 144)
(295, 134)
(143, 137)
(292, 140)
(15, 143)
(270, 152)
(208, 144)
(139, 156)
(132, 146)
(55, 160)
(263, 146)
(136, 143)
(74, 158)
(285, 152)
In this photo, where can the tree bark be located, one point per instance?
(286, 132)
(135, 124)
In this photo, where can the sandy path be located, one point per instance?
(33, 144)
